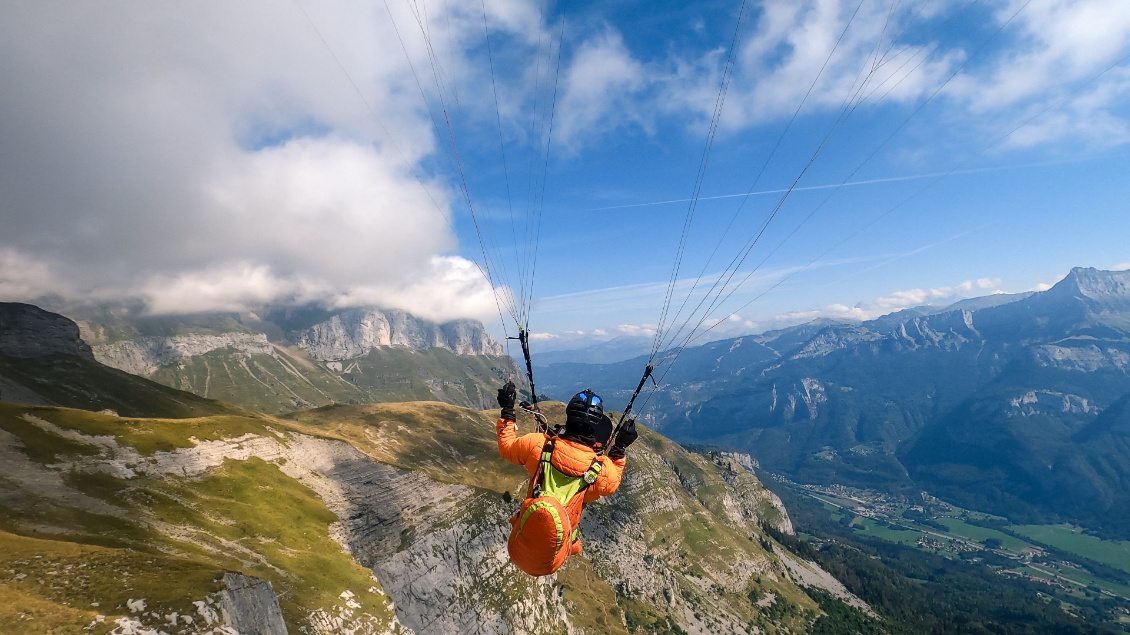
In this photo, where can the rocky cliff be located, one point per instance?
(146, 355)
(28, 332)
(355, 332)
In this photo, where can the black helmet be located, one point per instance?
(583, 413)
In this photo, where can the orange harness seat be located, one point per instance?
(564, 476)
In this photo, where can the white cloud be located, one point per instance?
(601, 85)
(1122, 267)
(832, 311)
(200, 159)
(447, 287)
(734, 324)
(1055, 46)
(337, 209)
(221, 289)
(1051, 47)
(1060, 42)
(23, 278)
(936, 296)
(903, 299)
(844, 312)
(1044, 286)
(636, 329)
(797, 317)
(895, 301)
(786, 48)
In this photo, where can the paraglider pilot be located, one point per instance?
(566, 472)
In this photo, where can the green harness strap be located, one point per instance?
(552, 482)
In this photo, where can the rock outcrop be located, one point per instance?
(145, 355)
(355, 332)
(250, 605)
(28, 332)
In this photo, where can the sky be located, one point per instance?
(554, 164)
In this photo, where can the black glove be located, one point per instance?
(506, 396)
(625, 437)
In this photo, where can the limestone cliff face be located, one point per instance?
(145, 355)
(28, 331)
(355, 332)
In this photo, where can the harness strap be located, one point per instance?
(545, 462)
(589, 477)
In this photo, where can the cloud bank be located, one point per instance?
(202, 158)
(211, 156)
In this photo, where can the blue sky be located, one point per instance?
(234, 155)
(999, 166)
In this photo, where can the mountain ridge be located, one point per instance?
(353, 333)
(302, 357)
(848, 402)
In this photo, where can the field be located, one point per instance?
(955, 533)
(1115, 553)
(958, 527)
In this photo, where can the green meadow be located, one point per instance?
(1115, 553)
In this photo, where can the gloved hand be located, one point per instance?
(506, 396)
(625, 437)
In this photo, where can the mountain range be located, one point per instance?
(1014, 404)
(283, 358)
(179, 514)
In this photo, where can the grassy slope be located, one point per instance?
(248, 516)
(696, 540)
(292, 380)
(55, 586)
(81, 383)
(262, 383)
(451, 445)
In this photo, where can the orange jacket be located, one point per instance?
(570, 457)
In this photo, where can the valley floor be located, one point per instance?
(1062, 564)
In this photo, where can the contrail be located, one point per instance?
(892, 179)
